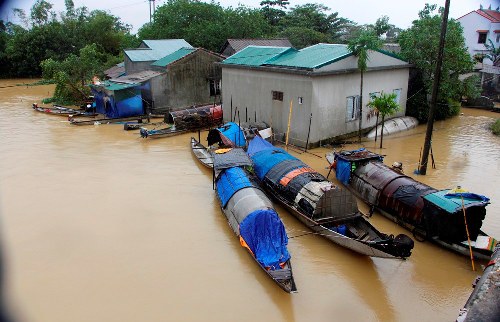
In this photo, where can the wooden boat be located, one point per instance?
(98, 121)
(203, 154)
(185, 120)
(328, 210)
(434, 215)
(60, 110)
(250, 215)
(482, 304)
(130, 126)
(171, 130)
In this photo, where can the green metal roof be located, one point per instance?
(451, 204)
(256, 55)
(157, 49)
(312, 57)
(112, 86)
(176, 55)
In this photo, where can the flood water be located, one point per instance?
(101, 225)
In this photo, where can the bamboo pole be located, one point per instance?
(288, 126)
(468, 237)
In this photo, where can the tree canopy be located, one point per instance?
(419, 45)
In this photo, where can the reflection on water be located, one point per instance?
(101, 225)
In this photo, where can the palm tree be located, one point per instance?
(359, 46)
(385, 104)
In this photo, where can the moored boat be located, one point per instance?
(60, 110)
(328, 210)
(251, 216)
(436, 215)
(394, 125)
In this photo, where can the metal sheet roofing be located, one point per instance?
(308, 58)
(312, 57)
(176, 55)
(157, 49)
(137, 77)
(112, 86)
(256, 55)
(452, 204)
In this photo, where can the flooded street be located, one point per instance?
(98, 224)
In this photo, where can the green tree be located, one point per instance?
(301, 37)
(493, 53)
(419, 45)
(384, 104)
(271, 14)
(360, 46)
(74, 73)
(41, 12)
(206, 25)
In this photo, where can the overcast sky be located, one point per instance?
(400, 12)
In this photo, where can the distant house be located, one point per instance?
(168, 74)
(232, 46)
(480, 26)
(149, 51)
(321, 82)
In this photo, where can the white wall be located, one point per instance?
(473, 22)
(330, 95)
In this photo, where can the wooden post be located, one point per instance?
(308, 132)
(231, 108)
(468, 237)
(246, 114)
(289, 121)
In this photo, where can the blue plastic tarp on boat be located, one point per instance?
(229, 182)
(452, 202)
(343, 171)
(233, 133)
(265, 235)
(265, 156)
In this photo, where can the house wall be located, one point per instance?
(375, 59)
(330, 100)
(323, 96)
(471, 23)
(134, 67)
(188, 82)
(251, 93)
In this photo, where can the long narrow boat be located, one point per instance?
(96, 121)
(203, 154)
(328, 210)
(251, 216)
(185, 120)
(432, 214)
(60, 110)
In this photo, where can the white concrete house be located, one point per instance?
(480, 26)
(321, 82)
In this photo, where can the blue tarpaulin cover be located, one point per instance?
(230, 181)
(233, 133)
(265, 234)
(452, 202)
(343, 171)
(265, 156)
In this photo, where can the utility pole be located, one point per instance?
(437, 75)
(150, 14)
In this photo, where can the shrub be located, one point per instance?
(495, 127)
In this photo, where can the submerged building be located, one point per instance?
(319, 84)
(162, 76)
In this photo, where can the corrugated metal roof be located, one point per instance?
(173, 57)
(157, 49)
(312, 57)
(239, 44)
(115, 71)
(256, 55)
(136, 77)
(112, 86)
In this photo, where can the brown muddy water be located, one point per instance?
(101, 225)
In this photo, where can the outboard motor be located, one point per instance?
(403, 245)
(144, 132)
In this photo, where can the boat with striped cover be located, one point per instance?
(328, 210)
